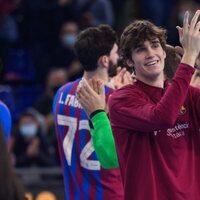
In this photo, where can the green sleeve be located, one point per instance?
(103, 141)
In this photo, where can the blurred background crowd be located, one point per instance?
(36, 57)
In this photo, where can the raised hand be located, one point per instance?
(189, 37)
(91, 96)
(122, 78)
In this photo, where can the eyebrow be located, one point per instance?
(139, 45)
(155, 41)
(152, 41)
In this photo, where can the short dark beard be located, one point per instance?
(112, 70)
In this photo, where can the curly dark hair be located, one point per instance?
(92, 43)
(136, 33)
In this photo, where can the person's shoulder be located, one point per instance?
(125, 90)
(3, 107)
(125, 95)
(4, 112)
(2, 104)
(5, 119)
(71, 83)
(66, 91)
(69, 86)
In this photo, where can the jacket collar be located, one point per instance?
(153, 92)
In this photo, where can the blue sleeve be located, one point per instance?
(55, 100)
(5, 120)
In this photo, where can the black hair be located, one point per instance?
(92, 43)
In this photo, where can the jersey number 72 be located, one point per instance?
(72, 124)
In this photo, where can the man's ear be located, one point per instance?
(103, 61)
(130, 63)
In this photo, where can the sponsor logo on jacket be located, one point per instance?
(177, 131)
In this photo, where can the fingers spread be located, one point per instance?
(197, 28)
(180, 31)
(194, 20)
(186, 22)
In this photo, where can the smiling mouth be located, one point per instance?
(151, 63)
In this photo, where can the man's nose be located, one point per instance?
(149, 52)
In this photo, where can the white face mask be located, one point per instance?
(69, 40)
(28, 130)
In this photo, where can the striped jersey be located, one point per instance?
(83, 176)
(5, 120)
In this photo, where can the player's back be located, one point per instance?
(83, 176)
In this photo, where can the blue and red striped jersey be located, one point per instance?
(83, 176)
(5, 120)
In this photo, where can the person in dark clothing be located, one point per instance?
(30, 144)
(154, 121)
(11, 188)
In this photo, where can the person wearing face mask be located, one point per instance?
(30, 144)
(63, 53)
(68, 33)
(68, 40)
